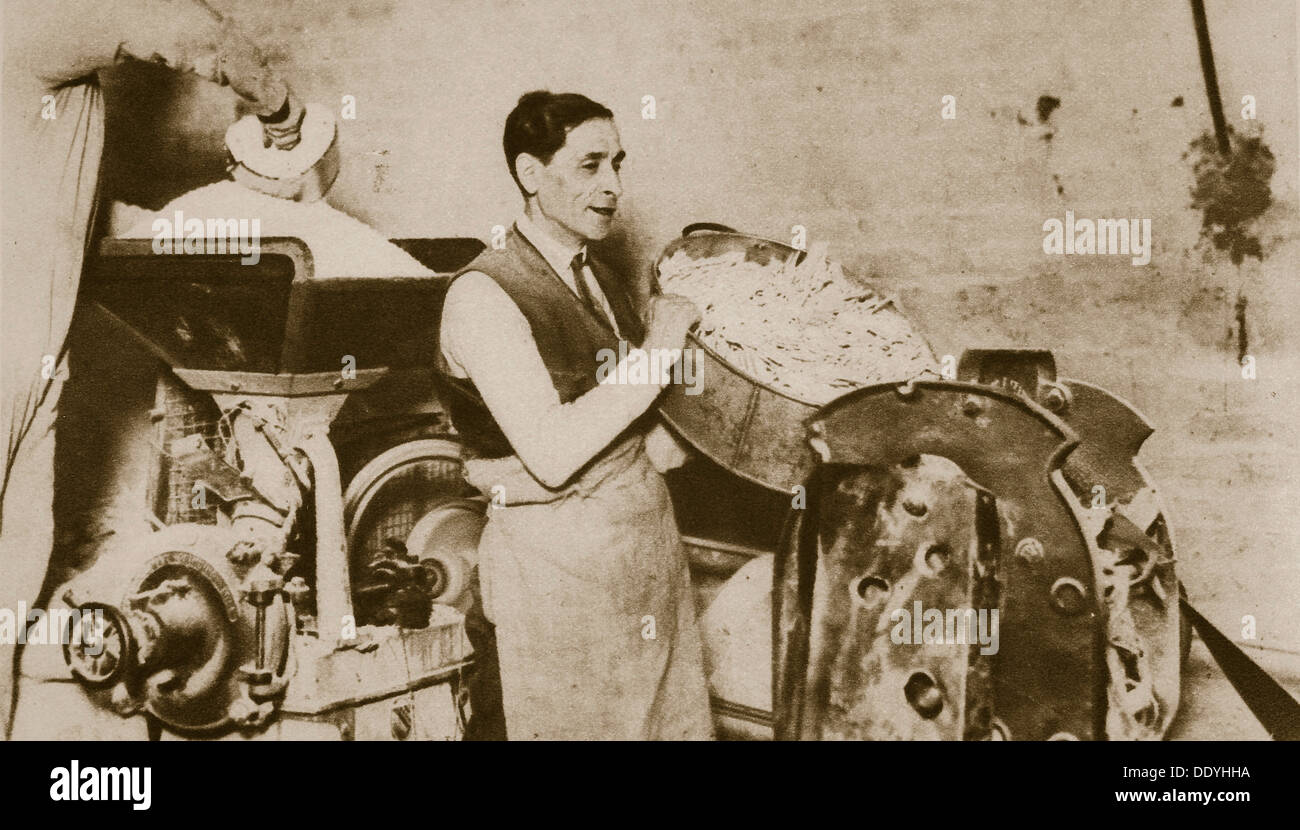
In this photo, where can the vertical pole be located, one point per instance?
(1211, 78)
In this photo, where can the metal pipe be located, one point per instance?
(1211, 78)
(260, 630)
(333, 585)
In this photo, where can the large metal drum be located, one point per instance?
(743, 424)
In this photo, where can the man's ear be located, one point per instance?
(528, 168)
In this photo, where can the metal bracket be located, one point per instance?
(1050, 676)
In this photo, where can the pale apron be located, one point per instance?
(589, 591)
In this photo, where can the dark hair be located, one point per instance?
(540, 123)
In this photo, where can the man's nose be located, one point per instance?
(611, 182)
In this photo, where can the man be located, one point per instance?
(53, 136)
(582, 569)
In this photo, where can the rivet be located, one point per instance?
(922, 693)
(971, 405)
(1068, 595)
(916, 508)
(998, 731)
(935, 557)
(1030, 548)
(1054, 400)
(871, 588)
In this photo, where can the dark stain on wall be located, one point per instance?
(1047, 104)
(1233, 191)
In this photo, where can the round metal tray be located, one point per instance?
(748, 427)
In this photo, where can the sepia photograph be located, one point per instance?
(729, 370)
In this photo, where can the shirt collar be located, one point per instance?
(557, 255)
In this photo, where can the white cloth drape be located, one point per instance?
(53, 140)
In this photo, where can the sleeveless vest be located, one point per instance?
(568, 336)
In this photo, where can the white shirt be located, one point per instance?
(560, 258)
(486, 338)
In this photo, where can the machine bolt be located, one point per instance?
(971, 405)
(297, 590)
(1030, 549)
(261, 589)
(870, 588)
(245, 553)
(123, 702)
(1055, 397)
(1068, 596)
(922, 693)
(283, 562)
(936, 557)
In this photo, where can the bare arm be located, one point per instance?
(485, 334)
(185, 35)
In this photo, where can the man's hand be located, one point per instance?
(665, 450)
(283, 129)
(669, 318)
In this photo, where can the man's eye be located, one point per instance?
(592, 166)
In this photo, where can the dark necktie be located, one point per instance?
(584, 292)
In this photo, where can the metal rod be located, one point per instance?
(1211, 78)
(260, 633)
(333, 587)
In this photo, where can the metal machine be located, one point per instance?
(314, 534)
(1053, 526)
(1004, 489)
(314, 537)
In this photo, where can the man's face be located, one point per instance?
(579, 190)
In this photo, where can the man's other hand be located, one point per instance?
(669, 318)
